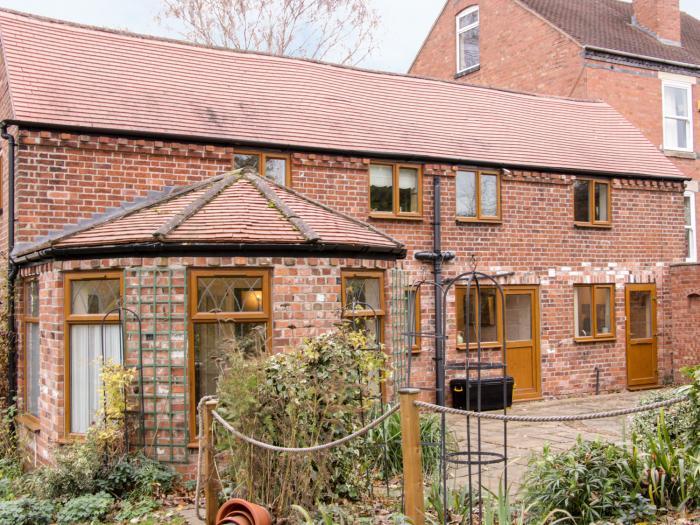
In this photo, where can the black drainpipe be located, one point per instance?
(437, 257)
(12, 268)
(437, 277)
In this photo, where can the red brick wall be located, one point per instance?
(685, 303)
(512, 41)
(536, 240)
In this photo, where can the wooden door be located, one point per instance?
(522, 336)
(640, 310)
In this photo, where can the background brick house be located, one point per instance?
(577, 212)
(641, 57)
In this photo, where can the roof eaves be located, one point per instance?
(640, 57)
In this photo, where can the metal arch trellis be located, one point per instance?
(474, 457)
(374, 345)
(123, 314)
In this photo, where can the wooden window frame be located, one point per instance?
(28, 419)
(196, 317)
(594, 318)
(592, 222)
(69, 319)
(262, 160)
(692, 254)
(458, 33)
(477, 188)
(396, 213)
(460, 296)
(380, 313)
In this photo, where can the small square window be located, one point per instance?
(478, 196)
(395, 190)
(594, 311)
(272, 166)
(592, 203)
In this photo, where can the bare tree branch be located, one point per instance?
(341, 31)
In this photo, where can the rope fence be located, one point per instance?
(410, 443)
(551, 419)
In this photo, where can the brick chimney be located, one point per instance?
(662, 18)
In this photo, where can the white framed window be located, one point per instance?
(678, 116)
(468, 39)
(690, 231)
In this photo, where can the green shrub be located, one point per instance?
(26, 511)
(671, 471)
(129, 509)
(592, 481)
(85, 509)
(679, 417)
(389, 433)
(81, 468)
(314, 394)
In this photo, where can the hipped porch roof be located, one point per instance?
(236, 210)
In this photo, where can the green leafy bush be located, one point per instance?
(129, 509)
(592, 482)
(26, 511)
(85, 509)
(679, 417)
(671, 470)
(389, 434)
(312, 395)
(83, 468)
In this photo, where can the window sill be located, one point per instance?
(680, 154)
(589, 225)
(594, 339)
(464, 220)
(466, 72)
(30, 422)
(393, 217)
(484, 346)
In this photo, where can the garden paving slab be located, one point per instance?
(524, 439)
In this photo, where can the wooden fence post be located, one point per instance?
(211, 485)
(412, 462)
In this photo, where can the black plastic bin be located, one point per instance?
(491, 393)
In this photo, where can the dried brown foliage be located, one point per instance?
(340, 31)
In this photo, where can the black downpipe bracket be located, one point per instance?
(12, 268)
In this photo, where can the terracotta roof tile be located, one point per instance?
(232, 209)
(68, 75)
(608, 24)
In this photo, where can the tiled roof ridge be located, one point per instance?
(186, 43)
(176, 220)
(290, 216)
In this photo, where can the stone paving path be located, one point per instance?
(526, 438)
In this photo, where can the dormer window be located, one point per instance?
(468, 39)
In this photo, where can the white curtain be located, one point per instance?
(32, 367)
(86, 343)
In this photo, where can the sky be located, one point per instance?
(404, 23)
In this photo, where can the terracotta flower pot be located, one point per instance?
(244, 512)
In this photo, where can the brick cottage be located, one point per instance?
(642, 57)
(121, 192)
